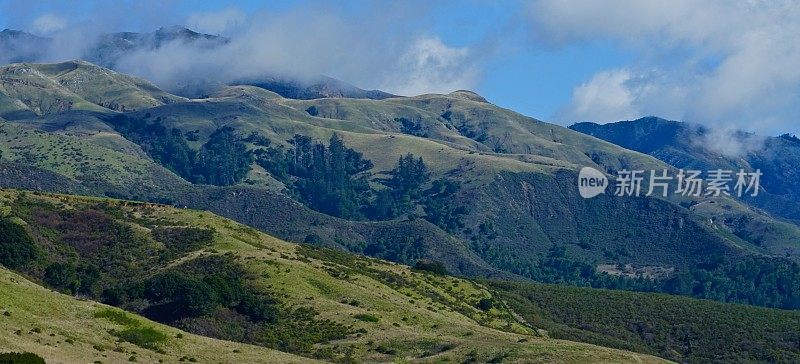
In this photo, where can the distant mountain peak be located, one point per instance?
(317, 88)
(110, 49)
(790, 137)
(469, 95)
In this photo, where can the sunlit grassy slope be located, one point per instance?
(96, 160)
(42, 89)
(417, 317)
(63, 329)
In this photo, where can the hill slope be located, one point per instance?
(680, 329)
(43, 89)
(63, 329)
(373, 310)
(508, 202)
(690, 146)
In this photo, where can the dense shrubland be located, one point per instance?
(676, 328)
(94, 251)
(753, 280)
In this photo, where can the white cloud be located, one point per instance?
(605, 98)
(723, 64)
(388, 49)
(430, 66)
(48, 23)
(730, 142)
(216, 22)
(306, 43)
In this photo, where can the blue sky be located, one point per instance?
(520, 76)
(725, 65)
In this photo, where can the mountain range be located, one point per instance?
(108, 49)
(689, 146)
(451, 184)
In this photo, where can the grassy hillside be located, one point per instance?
(72, 159)
(681, 329)
(385, 311)
(516, 179)
(86, 161)
(685, 145)
(63, 329)
(44, 89)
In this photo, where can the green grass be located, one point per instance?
(490, 150)
(677, 328)
(72, 330)
(366, 318)
(399, 305)
(116, 316)
(143, 337)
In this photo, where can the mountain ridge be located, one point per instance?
(377, 311)
(108, 49)
(685, 145)
(504, 165)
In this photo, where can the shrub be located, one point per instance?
(16, 247)
(183, 239)
(431, 266)
(366, 318)
(143, 337)
(62, 276)
(117, 317)
(258, 307)
(20, 358)
(485, 304)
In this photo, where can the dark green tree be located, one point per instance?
(223, 160)
(440, 208)
(329, 179)
(16, 247)
(405, 183)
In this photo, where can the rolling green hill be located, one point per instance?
(63, 329)
(43, 89)
(485, 192)
(680, 329)
(688, 146)
(211, 276)
(513, 210)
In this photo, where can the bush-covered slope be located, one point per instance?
(690, 146)
(211, 276)
(500, 194)
(86, 161)
(63, 329)
(677, 328)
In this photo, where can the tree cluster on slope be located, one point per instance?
(334, 179)
(223, 160)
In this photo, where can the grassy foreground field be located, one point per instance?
(392, 313)
(63, 329)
